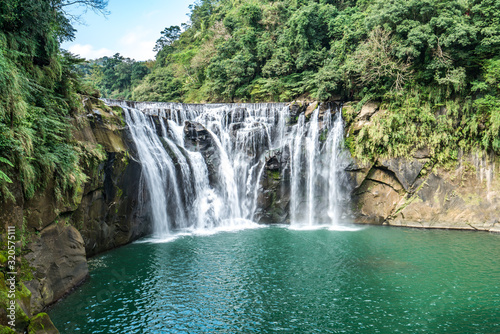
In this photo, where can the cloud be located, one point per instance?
(139, 51)
(138, 43)
(89, 52)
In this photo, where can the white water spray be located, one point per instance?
(213, 181)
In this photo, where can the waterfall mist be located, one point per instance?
(203, 164)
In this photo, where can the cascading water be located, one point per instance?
(203, 163)
(318, 161)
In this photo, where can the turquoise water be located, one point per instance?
(277, 280)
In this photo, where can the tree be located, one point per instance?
(168, 36)
(62, 6)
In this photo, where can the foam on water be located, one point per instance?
(186, 191)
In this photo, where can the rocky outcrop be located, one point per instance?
(41, 324)
(109, 214)
(59, 233)
(413, 193)
(273, 201)
(58, 257)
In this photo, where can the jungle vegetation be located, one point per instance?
(433, 64)
(40, 93)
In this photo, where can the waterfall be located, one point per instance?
(203, 164)
(318, 162)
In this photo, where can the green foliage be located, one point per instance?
(3, 176)
(39, 93)
(433, 64)
(115, 77)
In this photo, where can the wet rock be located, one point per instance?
(197, 136)
(236, 115)
(273, 201)
(41, 324)
(59, 262)
(159, 124)
(198, 139)
(296, 109)
(273, 163)
(251, 138)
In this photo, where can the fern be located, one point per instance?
(3, 176)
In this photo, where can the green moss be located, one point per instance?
(22, 319)
(323, 135)
(40, 322)
(25, 270)
(350, 143)
(23, 292)
(274, 174)
(3, 258)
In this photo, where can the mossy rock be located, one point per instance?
(41, 324)
(3, 258)
(22, 320)
(275, 175)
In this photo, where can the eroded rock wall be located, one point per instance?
(59, 234)
(409, 191)
(415, 192)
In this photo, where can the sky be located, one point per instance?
(131, 28)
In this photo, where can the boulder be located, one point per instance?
(310, 109)
(59, 262)
(368, 110)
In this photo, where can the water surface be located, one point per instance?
(271, 280)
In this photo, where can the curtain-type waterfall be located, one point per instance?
(202, 164)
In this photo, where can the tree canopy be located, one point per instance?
(39, 90)
(408, 54)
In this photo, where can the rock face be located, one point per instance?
(60, 262)
(109, 214)
(411, 193)
(273, 201)
(197, 138)
(466, 197)
(61, 233)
